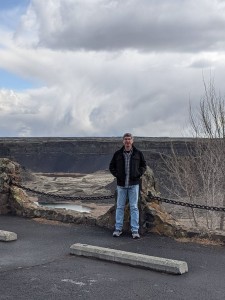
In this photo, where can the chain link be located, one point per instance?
(185, 204)
(150, 196)
(86, 198)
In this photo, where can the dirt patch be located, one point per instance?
(205, 242)
(100, 210)
(50, 222)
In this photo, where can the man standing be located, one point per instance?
(127, 165)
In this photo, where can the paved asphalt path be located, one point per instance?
(38, 266)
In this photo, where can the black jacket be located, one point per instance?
(137, 166)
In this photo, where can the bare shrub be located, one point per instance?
(198, 177)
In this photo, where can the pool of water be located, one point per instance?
(75, 207)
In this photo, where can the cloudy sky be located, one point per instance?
(104, 67)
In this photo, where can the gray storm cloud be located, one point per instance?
(112, 25)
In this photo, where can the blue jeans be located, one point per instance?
(132, 192)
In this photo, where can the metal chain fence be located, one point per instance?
(150, 197)
(64, 196)
(186, 204)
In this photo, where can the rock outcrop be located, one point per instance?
(15, 201)
(9, 171)
(153, 218)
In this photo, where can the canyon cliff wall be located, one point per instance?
(82, 155)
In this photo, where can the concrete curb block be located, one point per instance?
(133, 259)
(7, 236)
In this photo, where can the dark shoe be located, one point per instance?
(135, 235)
(117, 233)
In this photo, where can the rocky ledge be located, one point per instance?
(153, 217)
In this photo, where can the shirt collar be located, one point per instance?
(130, 152)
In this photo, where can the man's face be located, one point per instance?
(127, 141)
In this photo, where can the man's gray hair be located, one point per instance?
(127, 134)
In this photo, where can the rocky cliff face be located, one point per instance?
(83, 155)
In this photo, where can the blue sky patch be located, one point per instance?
(11, 11)
(9, 4)
(14, 82)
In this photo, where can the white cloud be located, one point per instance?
(104, 67)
